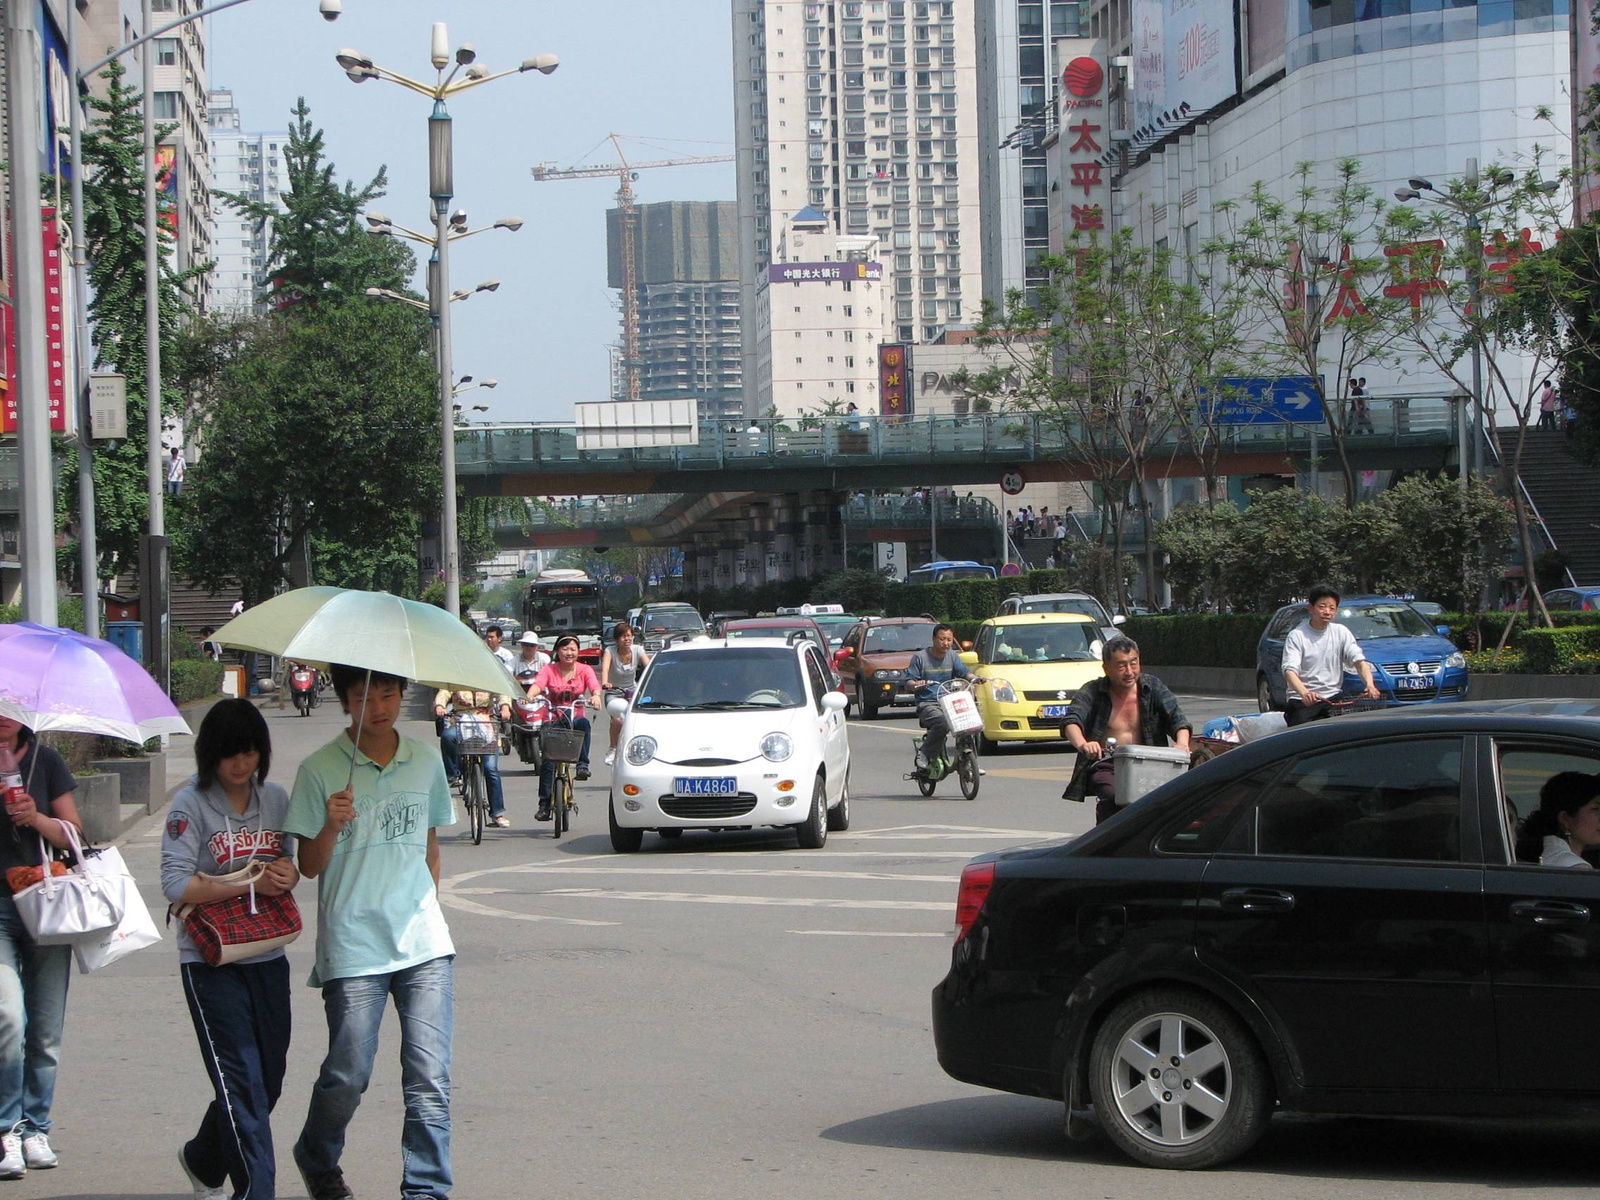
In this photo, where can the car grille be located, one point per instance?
(1044, 722)
(706, 762)
(1453, 691)
(1424, 667)
(705, 808)
(1055, 694)
(1412, 695)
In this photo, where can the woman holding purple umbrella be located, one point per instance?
(33, 979)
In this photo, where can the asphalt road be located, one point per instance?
(722, 1015)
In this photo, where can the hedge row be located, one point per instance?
(195, 679)
(1488, 626)
(1574, 650)
(967, 599)
(1198, 639)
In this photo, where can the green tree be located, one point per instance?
(1201, 545)
(320, 248)
(1448, 541)
(323, 438)
(113, 193)
(1287, 541)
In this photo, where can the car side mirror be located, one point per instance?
(969, 657)
(1119, 619)
(617, 706)
(1097, 647)
(839, 656)
(1442, 630)
(835, 702)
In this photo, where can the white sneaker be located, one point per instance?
(12, 1165)
(611, 758)
(201, 1191)
(37, 1154)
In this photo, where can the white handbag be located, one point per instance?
(134, 931)
(59, 909)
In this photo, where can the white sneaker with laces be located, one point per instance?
(37, 1154)
(12, 1165)
(611, 758)
(202, 1191)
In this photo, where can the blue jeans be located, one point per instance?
(424, 998)
(547, 769)
(33, 1005)
(450, 751)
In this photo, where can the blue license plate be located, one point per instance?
(705, 786)
(1053, 710)
(1415, 683)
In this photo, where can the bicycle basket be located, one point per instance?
(560, 745)
(478, 734)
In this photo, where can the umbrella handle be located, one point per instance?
(360, 719)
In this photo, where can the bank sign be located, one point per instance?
(825, 271)
(1084, 136)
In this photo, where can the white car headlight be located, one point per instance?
(1457, 659)
(641, 750)
(1001, 691)
(776, 747)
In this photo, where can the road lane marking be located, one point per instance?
(746, 872)
(869, 933)
(454, 900)
(757, 901)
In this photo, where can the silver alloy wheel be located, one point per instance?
(1171, 1080)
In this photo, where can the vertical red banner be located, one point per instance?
(55, 335)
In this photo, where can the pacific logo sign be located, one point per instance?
(1083, 77)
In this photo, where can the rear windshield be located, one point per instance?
(738, 677)
(1081, 605)
(672, 621)
(891, 638)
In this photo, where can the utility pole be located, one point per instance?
(37, 479)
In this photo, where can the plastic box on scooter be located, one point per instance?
(1142, 769)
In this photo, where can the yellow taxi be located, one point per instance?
(1032, 664)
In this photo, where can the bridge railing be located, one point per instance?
(969, 512)
(579, 511)
(856, 439)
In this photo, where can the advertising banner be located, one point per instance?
(894, 391)
(55, 338)
(167, 187)
(1184, 52)
(806, 272)
(1084, 137)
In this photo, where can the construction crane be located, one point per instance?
(625, 173)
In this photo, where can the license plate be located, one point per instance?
(705, 786)
(1415, 683)
(1053, 710)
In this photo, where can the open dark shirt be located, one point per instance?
(1160, 719)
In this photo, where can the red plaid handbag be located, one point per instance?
(225, 931)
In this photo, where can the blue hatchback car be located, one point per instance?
(1413, 662)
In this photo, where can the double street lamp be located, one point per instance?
(455, 73)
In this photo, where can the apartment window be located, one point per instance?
(166, 108)
(952, 285)
(813, 59)
(813, 37)
(849, 387)
(928, 241)
(852, 57)
(166, 52)
(902, 286)
(849, 335)
(856, 195)
(902, 216)
(953, 310)
(814, 106)
(858, 219)
(897, 56)
(797, 334)
(849, 360)
(902, 239)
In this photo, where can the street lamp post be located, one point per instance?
(441, 189)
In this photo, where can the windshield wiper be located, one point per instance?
(660, 704)
(734, 704)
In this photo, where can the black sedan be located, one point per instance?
(1328, 920)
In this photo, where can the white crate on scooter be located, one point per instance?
(1142, 769)
(961, 710)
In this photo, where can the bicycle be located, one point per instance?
(479, 736)
(965, 761)
(561, 744)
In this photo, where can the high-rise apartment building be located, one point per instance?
(1016, 110)
(183, 162)
(686, 267)
(864, 111)
(250, 165)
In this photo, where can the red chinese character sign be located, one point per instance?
(55, 335)
(894, 372)
(1084, 138)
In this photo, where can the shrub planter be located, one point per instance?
(144, 780)
(99, 801)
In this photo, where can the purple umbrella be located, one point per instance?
(58, 679)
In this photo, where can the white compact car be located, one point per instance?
(731, 735)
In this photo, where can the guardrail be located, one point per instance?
(859, 440)
(970, 512)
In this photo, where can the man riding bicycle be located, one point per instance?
(933, 667)
(484, 705)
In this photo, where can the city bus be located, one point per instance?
(947, 569)
(567, 601)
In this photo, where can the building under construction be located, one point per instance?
(686, 268)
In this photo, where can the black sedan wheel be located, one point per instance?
(1177, 1081)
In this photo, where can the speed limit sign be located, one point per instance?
(1011, 483)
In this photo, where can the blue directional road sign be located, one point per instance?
(1261, 400)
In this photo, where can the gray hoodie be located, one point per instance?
(204, 836)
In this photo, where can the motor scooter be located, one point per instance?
(305, 684)
(527, 718)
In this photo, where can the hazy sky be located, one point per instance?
(655, 69)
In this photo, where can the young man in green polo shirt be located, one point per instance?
(369, 842)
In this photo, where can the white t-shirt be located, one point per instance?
(1321, 657)
(1556, 853)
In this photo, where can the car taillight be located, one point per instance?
(976, 880)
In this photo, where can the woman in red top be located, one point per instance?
(566, 681)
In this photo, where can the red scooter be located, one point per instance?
(305, 684)
(527, 718)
